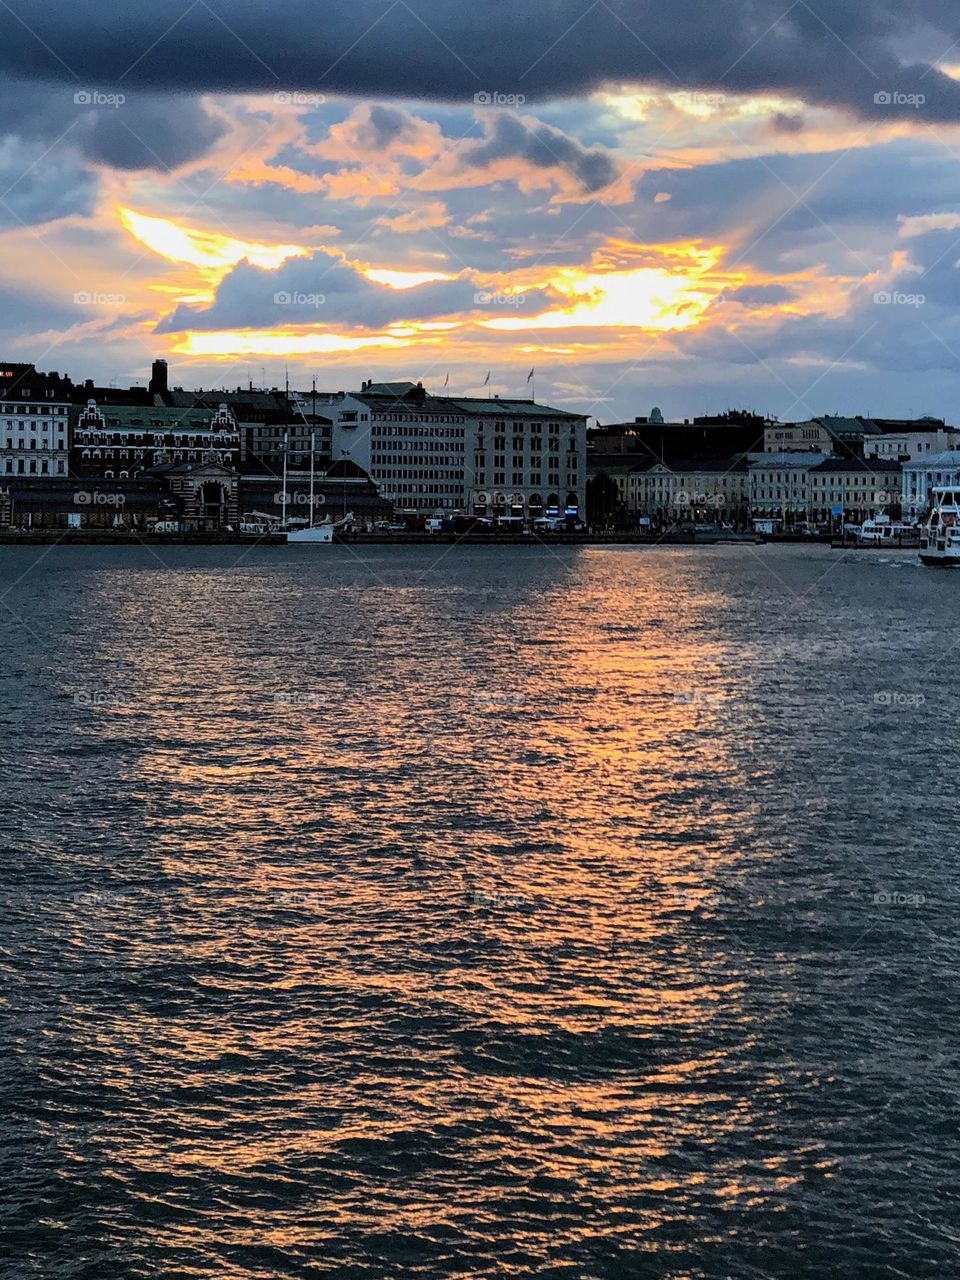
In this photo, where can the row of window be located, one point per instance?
(60, 410)
(36, 467)
(421, 433)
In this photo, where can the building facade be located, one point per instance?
(920, 475)
(696, 492)
(903, 441)
(779, 485)
(861, 487)
(121, 441)
(34, 422)
(443, 455)
(828, 434)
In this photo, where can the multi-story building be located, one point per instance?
(828, 434)
(120, 441)
(905, 439)
(779, 485)
(529, 460)
(440, 455)
(34, 422)
(859, 487)
(720, 435)
(921, 474)
(704, 491)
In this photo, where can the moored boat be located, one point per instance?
(940, 530)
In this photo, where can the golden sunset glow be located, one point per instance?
(269, 342)
(663, 297)
(209, 251)
(395, 279)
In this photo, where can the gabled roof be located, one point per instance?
(150, 417)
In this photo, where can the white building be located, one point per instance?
(921, 474)
(904, 440)
(34, 423)
(443, 455)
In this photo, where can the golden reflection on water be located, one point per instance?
(428, 890)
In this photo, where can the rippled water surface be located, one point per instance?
(497, 913)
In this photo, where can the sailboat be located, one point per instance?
(310, 532)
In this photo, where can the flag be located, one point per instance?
(530, 374)
(446, 381)
(486, 381)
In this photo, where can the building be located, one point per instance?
(529, 460)
(121, 441)
(681, 492)
(828, 434)
(859, 487)
(64, 503)
(442, 455)
(904, 439)
(920, 475)
(779, 485)
(341, 489)
(724, 435)
(34, 422)
(205, 493)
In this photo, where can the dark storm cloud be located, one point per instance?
(323, 290)
(546, 148)
(124, 129)
(843, 52)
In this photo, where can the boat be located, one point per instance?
(881, 531)
(303, 531)
(940, 530)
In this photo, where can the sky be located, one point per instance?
(746, 203)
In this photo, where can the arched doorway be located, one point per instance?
(535, 506)
(213, 505)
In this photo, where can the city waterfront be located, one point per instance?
(503, 912)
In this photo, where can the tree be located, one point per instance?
(603, 498)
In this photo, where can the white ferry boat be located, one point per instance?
(940, 531)
(881, 531)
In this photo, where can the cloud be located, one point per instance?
(324, 289)
(122, 129)
(845, 52)
(544, 147)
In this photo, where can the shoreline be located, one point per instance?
(74, 538)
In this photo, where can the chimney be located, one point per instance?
(158, 378)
